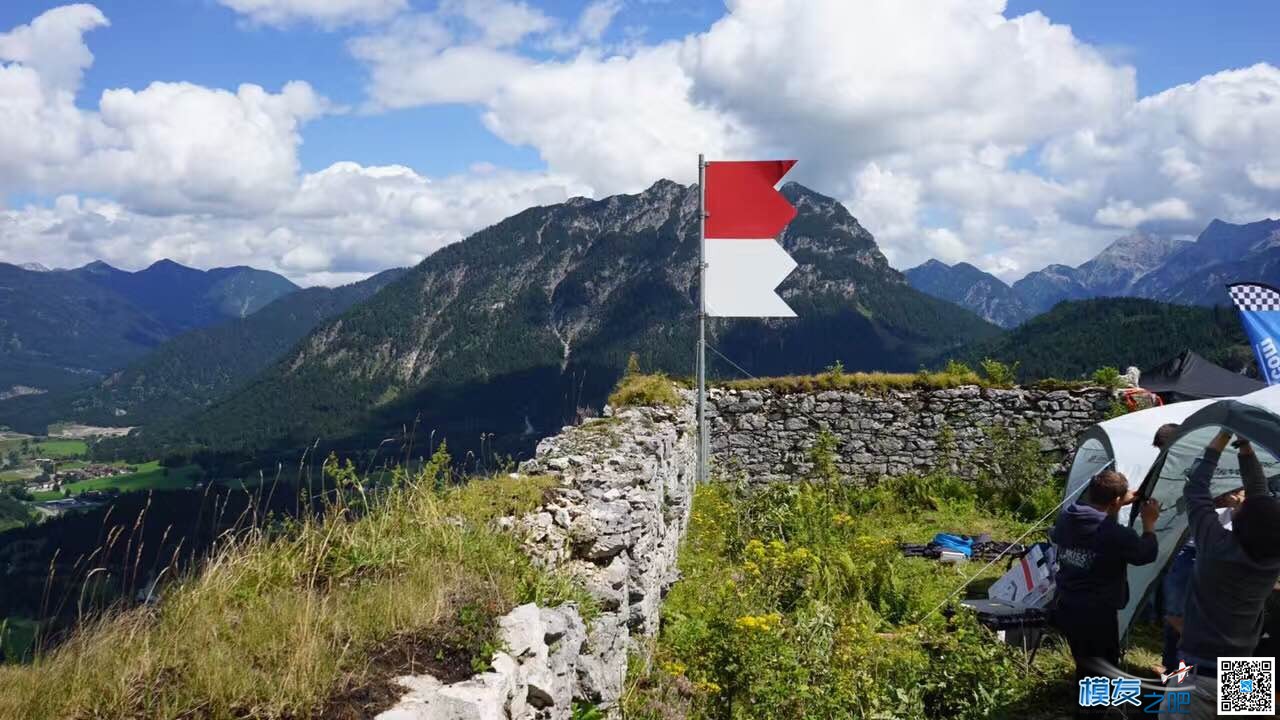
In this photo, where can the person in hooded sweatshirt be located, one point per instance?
(1094, 551)
(1235, 571)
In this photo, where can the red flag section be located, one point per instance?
(741, 201)
(741, 205)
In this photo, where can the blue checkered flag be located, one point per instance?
(1259, 306)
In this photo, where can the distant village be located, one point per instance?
(51, 479)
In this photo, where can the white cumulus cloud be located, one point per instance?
(950, 128)
(325, 13)
(167, 147)
(342, 223)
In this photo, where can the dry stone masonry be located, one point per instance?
(767, 435)
(615, 521)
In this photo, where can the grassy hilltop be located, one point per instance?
(794, 602)
(306, 618)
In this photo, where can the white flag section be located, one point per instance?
(742, 276)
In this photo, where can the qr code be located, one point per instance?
(1246, 685)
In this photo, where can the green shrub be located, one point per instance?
(836, 371)
(1014, 476)
(955, 367)
(999, 374)
(1115, 410)
(1107, 377)
(644, 390)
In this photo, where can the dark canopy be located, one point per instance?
(1190, 377)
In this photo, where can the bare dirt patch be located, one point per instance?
(84, 432)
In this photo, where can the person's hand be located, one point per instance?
(1233, 499)
(1220, 441)
(1150, 512)
(1243, 446)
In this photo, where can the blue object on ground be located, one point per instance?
(954, 543)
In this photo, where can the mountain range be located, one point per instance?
(500, 338)
(505, 335)
(194, 369)
(970, 288)
(1138, 265)
(64, 328)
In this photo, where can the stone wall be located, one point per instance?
(621, 508)
(615, 521)
(767, 435)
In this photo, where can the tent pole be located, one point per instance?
(703, 435)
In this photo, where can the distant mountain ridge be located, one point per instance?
(185, 298)
(523, 322)
(1223, 253)
(195, 369)
(62, 328)
(972, 289)
(1137, 265)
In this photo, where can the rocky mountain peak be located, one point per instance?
(100, 267)
(969, 287)
(500, 331)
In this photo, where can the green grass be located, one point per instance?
(149, 476)
(13, 512)
(17, 636)
(795, 602)
(59, 448)
(882, 382)
(18, 474)
(284, 624)
(44, 447)
(645, 389)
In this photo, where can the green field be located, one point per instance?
(18, 474)
(43, 448)
(60, 448)
(150, 476)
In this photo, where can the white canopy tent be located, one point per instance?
(1255, 416)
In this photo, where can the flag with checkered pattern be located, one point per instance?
(1259, 307)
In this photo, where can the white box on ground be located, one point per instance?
(1029, 583)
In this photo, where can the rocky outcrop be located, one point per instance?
(768, 435)
(615, 522)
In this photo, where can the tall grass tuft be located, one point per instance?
(644, 390)
(289, 617)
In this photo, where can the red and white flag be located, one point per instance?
(745, 214)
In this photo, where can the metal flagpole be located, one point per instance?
(703, 443)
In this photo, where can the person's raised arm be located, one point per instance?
(1255, 481)
(1141, 549)
(1201, 516)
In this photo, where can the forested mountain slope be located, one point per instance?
(194, 369)
(1076, 338)
(508, 332)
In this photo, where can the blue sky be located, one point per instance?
(1171, 41)
(954, 129)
